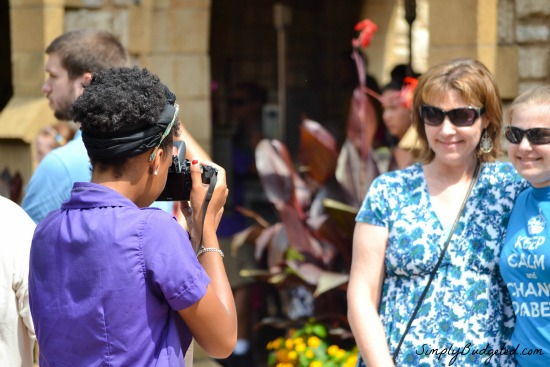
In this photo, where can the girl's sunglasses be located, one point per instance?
(464, 116)
(536, 136)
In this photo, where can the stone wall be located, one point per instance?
(525, 25)
(170, 38)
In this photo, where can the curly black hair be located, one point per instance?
(122, 100)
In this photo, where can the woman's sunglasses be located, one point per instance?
(536, 136)
(464, 116)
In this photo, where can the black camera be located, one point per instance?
(178, 184)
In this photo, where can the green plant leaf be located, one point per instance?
(319, 330)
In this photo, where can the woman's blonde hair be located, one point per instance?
(476, 85)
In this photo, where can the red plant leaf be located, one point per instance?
(407, 91)
(362, 122)
(281, 184)
(301, 197)
(318, 150)
(246, 237)
(334, 241)
(275, 241)
(275, 174)
(299, 237)
(366, 28)
(354, 173)
(253, 215)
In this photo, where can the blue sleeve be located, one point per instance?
(171, 265)
(167, 206)
(48, 187)
(374, 209)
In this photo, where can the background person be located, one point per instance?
(71, 59)
(51, 137)
(403, 224)
(129, 286)
(16, 327)
(246, 103)
(525, 257)
(397, 115)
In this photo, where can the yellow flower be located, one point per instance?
(292, 355)
(332, 350)
(282, 355)
(316, 364)
(340, 353)
(289, 344)
(298, 340)
(313, 342)
(276, 343)
(300, 347)
(351, 361)
(309, 353)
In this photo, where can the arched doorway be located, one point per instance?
(243, 48)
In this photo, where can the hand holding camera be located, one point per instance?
(205, 208)
(178, 184)
(201, 183)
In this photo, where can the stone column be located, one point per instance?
(33, 24)
(469, 28)
(171, 38)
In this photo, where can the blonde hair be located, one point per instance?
(537, 96)
(476, 85)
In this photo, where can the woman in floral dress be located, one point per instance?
(466, 317)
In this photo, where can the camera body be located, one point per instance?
(178, 184)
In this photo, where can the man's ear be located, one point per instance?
(86, 77)
(80, 81)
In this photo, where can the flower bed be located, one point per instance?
(309, 346)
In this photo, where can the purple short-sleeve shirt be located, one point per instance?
(106, 279)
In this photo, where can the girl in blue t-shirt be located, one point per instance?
(525, 258)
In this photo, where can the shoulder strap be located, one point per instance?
(209, 193)
(441, 256)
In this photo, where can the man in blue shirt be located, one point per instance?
(72, 57)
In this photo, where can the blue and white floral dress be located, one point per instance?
(466, 318)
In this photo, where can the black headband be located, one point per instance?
(129, 144)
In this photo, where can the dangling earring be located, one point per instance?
(486, 144)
